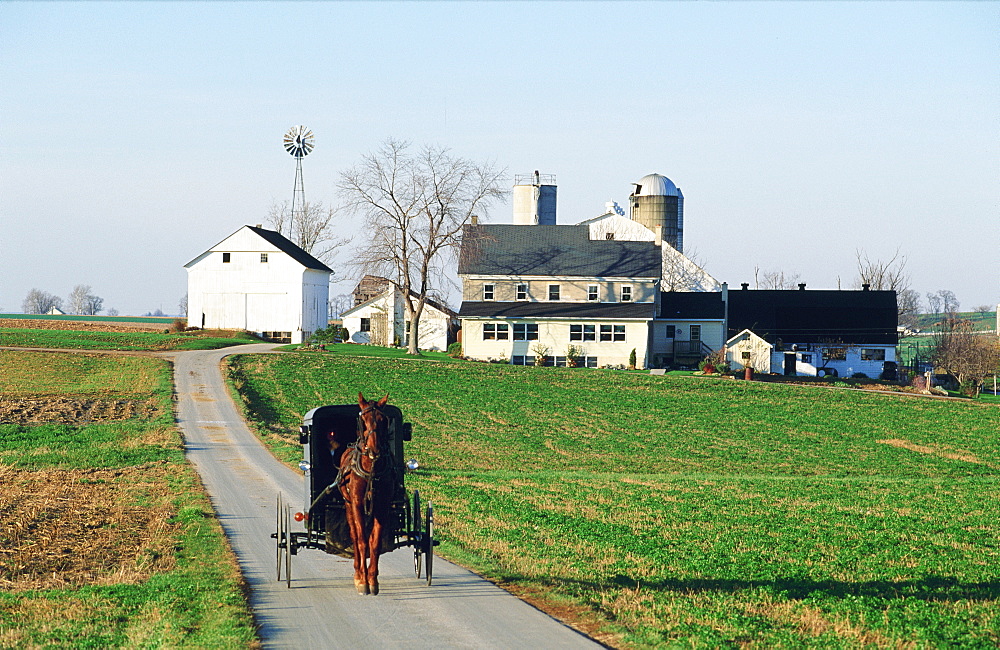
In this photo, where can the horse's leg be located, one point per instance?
(353, 511)
(374, 549)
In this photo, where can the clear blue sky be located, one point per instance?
(133, 136)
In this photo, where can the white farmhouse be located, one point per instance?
(379, 317)
(259, 281)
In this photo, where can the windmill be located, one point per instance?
(299, 142)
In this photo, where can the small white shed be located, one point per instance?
(382, 321)
(259, 281)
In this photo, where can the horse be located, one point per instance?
(364, 466)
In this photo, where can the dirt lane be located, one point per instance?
(322, 608)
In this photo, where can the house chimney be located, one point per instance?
(658, 232)
(802, 286)
(866, 287)
(744, 285)
(474, 220)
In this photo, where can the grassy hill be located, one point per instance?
(691, 511)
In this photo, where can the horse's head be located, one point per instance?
(373, 425)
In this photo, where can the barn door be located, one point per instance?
(790, 363)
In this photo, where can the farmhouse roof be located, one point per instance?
(799, 316)
(553, 250)
(630, 310)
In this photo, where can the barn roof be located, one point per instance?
(800, 316)
(280, 242)
(553, 250)
(695, 305)
(286, 245)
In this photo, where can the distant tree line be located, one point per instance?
(81, 301)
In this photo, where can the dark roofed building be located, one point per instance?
(515, 250)
(801, 316)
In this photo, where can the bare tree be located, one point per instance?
(889, 275)
(775, 279)
(949, 303)
(112, 312)
(340, 303)
(982, 310)
(415, 205)
(314, 229)
(82, 302)
(907, 307)
(183, 305)
(882, 275)
(934, 303)
(40, 302)
(967, 356)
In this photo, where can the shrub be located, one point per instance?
(541, 351)
(179, 325)
(631, 359)
(455, 350)
(573, 354)
(859, 375)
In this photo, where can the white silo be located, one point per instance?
(534, 199)
(657, 202)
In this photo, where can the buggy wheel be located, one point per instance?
(416, 534)
(429, 542)
(288, 545)
(278, 538)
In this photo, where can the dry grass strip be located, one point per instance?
(956, 454)
(62, 528)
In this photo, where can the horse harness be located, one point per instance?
(357, 451)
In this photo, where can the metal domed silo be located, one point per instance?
(657, 202)
(535, 199)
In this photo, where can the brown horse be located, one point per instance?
(365, 469)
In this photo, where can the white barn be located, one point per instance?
(259, 281)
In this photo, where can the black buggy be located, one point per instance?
(325, 433)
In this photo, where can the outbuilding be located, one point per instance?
(259, 281)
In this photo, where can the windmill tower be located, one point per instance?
(299, 142)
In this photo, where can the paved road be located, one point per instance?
(322, 609)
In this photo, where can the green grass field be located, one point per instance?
(96, 340)
(691, 511)
(106, 537)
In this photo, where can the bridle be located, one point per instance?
(359, 450)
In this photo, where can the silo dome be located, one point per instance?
(656, 185)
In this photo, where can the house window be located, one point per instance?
(592, 294)
(263, 258)
(488, 291)
(582, 332)
(495, 331)
(525, 331)
(807, 358)
(366, 324)
(696, 332)
(835, 354)
(553, 292)
(671, 331)
(522, 292)
(519, 360)
(612, 332)
(225, 258)
(627, 293)
(874, 354)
